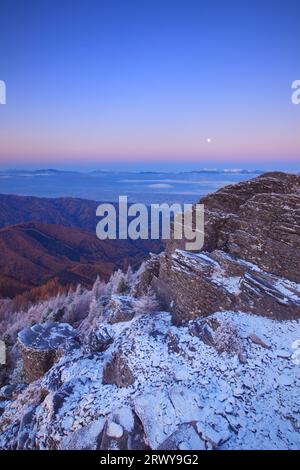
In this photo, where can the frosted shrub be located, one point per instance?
(130, 276)
(227, 339)
(78, 308)
(13, 322)
(11, 325)
(94, 316)
(122, 287)
(146, 304)
(71, 307)
(58, 302)
(99, 288)
(120, 283)
(5, 315)
(115, 279)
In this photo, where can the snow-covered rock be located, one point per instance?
(218, 402)
(42, 344)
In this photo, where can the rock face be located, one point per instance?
(251, 255)
(42, 345)
(120, 309)
(193, 285)
(257, 220)
(262, 223)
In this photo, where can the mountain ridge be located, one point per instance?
(33, 253)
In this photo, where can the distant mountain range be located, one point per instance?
(145, 187)
(69, 212)
(55, 172)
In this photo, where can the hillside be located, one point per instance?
(44, 239)
(69, 212)
(33, 253)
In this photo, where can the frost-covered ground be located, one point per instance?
(253, 404)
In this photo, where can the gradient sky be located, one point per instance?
(138, 80)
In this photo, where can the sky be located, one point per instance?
(99, 82)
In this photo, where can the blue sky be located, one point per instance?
(139, 81)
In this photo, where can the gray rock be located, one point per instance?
(98, 340)
(120, 310)
(283, 353)
(117, 371)
(184, 438)
(257, 340)
(86, 438)
(251, 222)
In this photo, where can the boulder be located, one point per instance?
(98, 340)
(117, 372)
(162, 414)
(132, 426)
(184, 438)
(86, 438)
(114, 437)
(42, 344)
(120, 309)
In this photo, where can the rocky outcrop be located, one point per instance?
(192, 285)
(43, 344)
(251, 255)
(120, 309)
(258, 221)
